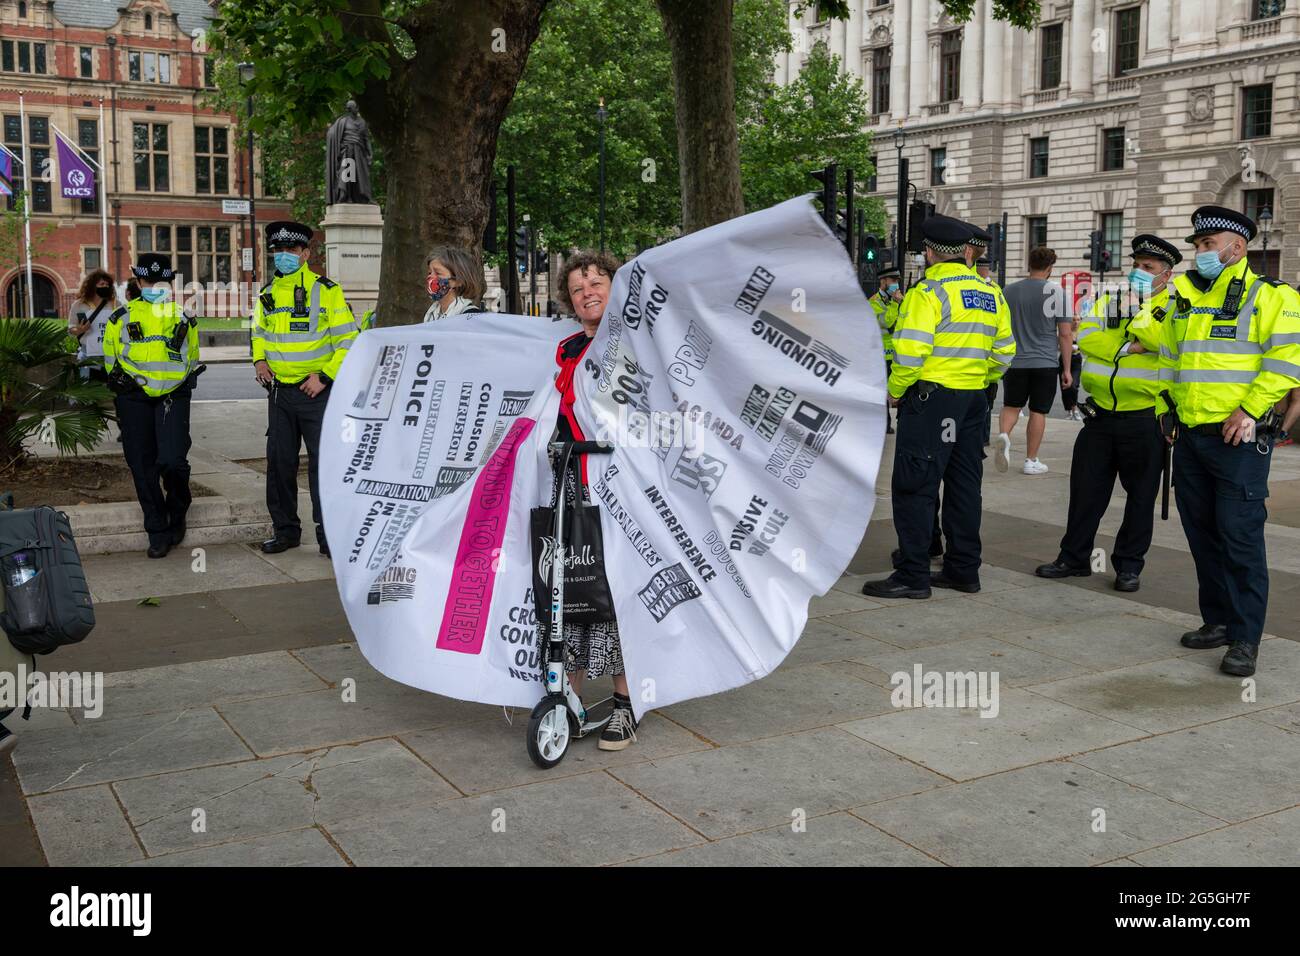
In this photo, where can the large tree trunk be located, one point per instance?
(708, 143)
(437, 117)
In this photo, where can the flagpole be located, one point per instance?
(27, 208)
(103, 193)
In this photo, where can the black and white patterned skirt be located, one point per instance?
(593, 648)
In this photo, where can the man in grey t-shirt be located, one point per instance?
(1043, 330)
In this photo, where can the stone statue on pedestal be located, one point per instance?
(347, 159)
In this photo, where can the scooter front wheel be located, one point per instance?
(549, 731)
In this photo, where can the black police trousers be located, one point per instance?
(938, 441)
(293, 420)
(155, 442)
(1131, 448)
(1220, 491)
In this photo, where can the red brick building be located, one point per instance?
(170, 159)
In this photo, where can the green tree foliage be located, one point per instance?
(818, 118)
(614, 49)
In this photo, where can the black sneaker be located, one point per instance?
(621, 729)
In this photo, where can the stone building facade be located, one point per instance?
(1109, 114)
(170, 158)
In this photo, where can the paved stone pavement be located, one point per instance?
(226, 739)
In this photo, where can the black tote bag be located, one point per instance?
(587, 598)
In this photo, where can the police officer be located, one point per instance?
(953, 336)
(151, 352)
(1120, 436)
(302, 330)
(885, 306)
(1231, 351)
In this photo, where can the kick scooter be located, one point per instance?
(560, 716)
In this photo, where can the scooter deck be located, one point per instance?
(598, 715)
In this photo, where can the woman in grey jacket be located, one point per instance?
(455, 282)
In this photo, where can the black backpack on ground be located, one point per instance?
(53, 607)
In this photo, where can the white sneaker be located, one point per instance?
(1034, 467)
(1002, 451)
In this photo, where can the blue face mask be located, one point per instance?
(286, 263)
(891, 289)
(1140, 282)
(155, 293)
(1209, 264)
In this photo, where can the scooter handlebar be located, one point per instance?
(584, 447)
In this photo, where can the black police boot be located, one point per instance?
(178, 534)
(159, 550)
(889, 588)
(942, 580)
(1059, 569)
(277, 544)
(325, 548)
(1206, 636)
(1126, 581)
(1240, 659)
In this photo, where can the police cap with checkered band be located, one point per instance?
(285, 235)
(945, 235)
(1149, 245)
(1211, 219)
(153, 267)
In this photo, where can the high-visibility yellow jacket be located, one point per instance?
(299, 333)
(147, 357)
(1119, 380)
(953, 328)
(1215, 360)
(886, 309)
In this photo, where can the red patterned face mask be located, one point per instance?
(438, 287)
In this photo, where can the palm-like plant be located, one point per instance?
(42, 392)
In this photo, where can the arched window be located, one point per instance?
(148, 21)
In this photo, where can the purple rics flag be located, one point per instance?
(6, 174)
(76, 178)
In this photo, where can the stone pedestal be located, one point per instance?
(354, 236)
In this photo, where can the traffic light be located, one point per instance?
(869, 264)
(843, 227)
(870, 251)
(541, 261)
(995, 245)
(829, 178)
(1105, 260)
(1096, 246)
(521, 248)
(917, 213)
